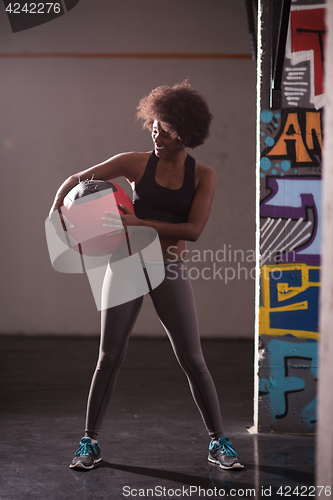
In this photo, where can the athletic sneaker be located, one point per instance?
(87, 455)
(224, 454)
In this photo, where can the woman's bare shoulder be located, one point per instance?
(204, 172)
(132, 157)
(135, 154)
(127, 164)
(134, 163)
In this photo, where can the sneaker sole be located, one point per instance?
(236, 465)
(84, 467)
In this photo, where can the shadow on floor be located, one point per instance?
(152, 437)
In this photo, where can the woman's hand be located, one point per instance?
(116, 222)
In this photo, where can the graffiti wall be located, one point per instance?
(290, 215)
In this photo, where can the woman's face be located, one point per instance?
(164, 143)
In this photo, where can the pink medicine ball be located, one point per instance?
(84, 207)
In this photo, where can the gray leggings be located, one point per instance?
(174, 302)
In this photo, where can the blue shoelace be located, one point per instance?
(86, 447)
(226, 447)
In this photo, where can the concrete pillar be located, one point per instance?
(324, 459)
(289, 157)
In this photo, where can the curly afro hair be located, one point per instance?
(184, 111)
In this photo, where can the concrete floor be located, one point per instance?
(154, 444)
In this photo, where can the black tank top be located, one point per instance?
(156, 202)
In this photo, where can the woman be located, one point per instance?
(173, 194)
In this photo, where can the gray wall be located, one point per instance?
(61, 115)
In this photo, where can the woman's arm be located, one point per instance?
(120, 165)
(198, 216)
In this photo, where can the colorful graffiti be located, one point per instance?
(290, 201)
(299, 139)
(290, 212)
(284, 390)
(291, 140)
(304, 68)
(290, 300)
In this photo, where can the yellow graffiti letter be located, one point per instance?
(291, 131)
